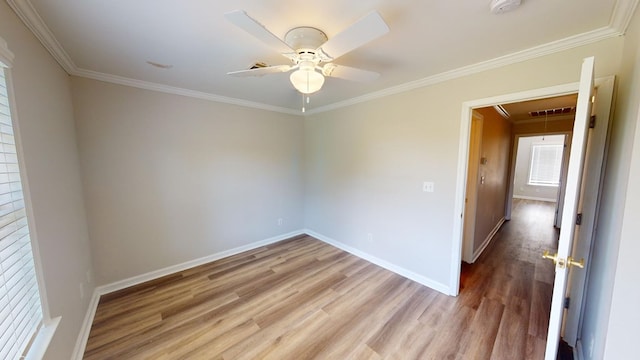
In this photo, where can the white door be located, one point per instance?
(570, 207)
(588, 205)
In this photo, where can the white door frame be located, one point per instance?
(463, 154)
(471, 189)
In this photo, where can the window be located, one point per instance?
(20, 307)
(546, 163)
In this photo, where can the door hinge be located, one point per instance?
(579, 219)
(567, 302)
(592, 122)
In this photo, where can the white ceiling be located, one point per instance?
(429, 41)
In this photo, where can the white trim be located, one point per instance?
(534, 198)
(461, 186)
(30, 17)
(121, 80)
(6, 56)
(139, 279)
(42, 340)
(49, 324)
(622, 14)
(83, 336)
(578, 352)
(382, 263)
(513, 58)
(487, 240)
(617, 26)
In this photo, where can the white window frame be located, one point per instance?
(49, 325)
(533, 165)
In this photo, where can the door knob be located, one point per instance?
(547, 255)
(562, 263)
(556, 260)
(572, 262)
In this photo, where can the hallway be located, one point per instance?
(511, 274)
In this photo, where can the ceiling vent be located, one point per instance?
(502, 6)
(551, 112)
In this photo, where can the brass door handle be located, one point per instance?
(556, 260)
(547, 255)
(562, 263)
(572, 262)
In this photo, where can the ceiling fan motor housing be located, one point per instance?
(305, 39)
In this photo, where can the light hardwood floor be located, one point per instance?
(304, 299)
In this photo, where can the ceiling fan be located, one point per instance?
(311, 51)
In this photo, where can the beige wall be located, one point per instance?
(44, 115)
(492, 194)
(365, 164)
(171, 179)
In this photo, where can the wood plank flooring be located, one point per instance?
(304, 299)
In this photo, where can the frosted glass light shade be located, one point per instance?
(307, 81)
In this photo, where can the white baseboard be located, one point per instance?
(152, 275)
(487, 240)
(533, 198)
(382, 263)
(578, 353)
(83, 336)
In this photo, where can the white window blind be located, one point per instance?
(546, 163)
(20, 308)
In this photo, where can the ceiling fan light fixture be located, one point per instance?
(503, 6)
(307, 81)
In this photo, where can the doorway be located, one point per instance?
(591, 185)
(536, 133)
(505, 267)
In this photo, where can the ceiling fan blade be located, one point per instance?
(349, 73)
(261, 71)
(240, 19)
(359, 33)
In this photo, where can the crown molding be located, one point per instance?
(622, 14)
(618, 23)
(30, 17)
(509, 59)
(121, 80)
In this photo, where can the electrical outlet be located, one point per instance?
(279, 221)
(370, 237)
(81, 291)
(88, 277)
(428, 186)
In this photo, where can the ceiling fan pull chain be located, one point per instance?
(303, 109)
